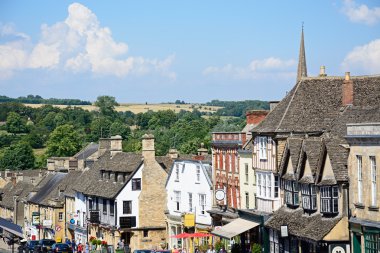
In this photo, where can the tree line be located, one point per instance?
(64, 131)
(36, 99)
(238, 108)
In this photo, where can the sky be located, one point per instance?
(196, 51)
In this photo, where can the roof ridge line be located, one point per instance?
(287, 108)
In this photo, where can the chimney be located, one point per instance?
(148, 151)
(254, 117)
(173, 153)
(322, 71)
(20, 177)
(113, 145)
(347, 90)
(202, 151)
(273, 104)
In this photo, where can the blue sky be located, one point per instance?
(159, 51)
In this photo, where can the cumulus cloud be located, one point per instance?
(364, 59)
(269, 67)
(361, 13)
(77, 44)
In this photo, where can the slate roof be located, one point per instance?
(20, 189)
(314, 103)
(313, 227)
(89, 150)
(47, 189)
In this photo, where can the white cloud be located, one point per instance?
(364, 59)
(361, 13)
(256, 69)
(78, 44)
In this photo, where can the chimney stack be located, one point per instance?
(173, 153)
(322, 71)
(347, 90)
(113, 145)
(148, 150)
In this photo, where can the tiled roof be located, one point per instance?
(48, 188)
(314, 103)
(313, 227)
(20, 189)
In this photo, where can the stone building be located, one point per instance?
(364, 141)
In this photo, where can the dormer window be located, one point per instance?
(291, 193)
(198, 172)
(329, 199)
(309, 197)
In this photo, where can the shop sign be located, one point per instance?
(189, 220)
(36, 219)
(47, 223)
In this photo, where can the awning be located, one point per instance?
(234, 228)
(11, 228)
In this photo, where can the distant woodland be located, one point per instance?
(29, 135)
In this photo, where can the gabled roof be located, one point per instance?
(47, 188)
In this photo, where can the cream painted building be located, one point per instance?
(364, 173)
(247, 177)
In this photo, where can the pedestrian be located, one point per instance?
(222, 250)
(196, 250)
(87, 248)
(73, 245)
(175, 250)
(211, 249)
(80, 248)
(184, 250)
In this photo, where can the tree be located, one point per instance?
(63, 141)
(18, 156)
(15, 123)
(119, 128)
(106, 105)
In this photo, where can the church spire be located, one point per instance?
(302, 70)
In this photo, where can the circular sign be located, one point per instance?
(57, 228)
(72, 221)
(220, 194)
(338, 249)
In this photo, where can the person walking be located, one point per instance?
(87, 248)
(73, 245)
(211, 249)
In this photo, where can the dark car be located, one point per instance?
(28, 247)
(61, 248)
(142, 251)
(44, 245)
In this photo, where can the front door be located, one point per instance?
(357, 243)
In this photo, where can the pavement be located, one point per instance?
(5, 248)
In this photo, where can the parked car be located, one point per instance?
(28, 247)
(61, 248)
(44, 245)
(142, 251)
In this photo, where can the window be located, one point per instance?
(360, 179)
(112, 207)
(291, 193)
(136, 184)
(190, 202)
(202, 203)
(127, 207)
(258, 184)
(247, 200)
(127, 222)
(274, 242)
(246, 172)
(309, 197)
(224, 161)
(230, 161)
(372, 242)
(217, 160)
(60, 216)
(198, 171)
(104, 206)
(268, 186)
(145, 233)
(263, 148)
(276, 184)
(90, 204)
(177, 172)
(177, 199)
(236, 164)
(373, 181)
(329, 199)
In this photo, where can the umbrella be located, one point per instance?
(180, 236)
(199, 235)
